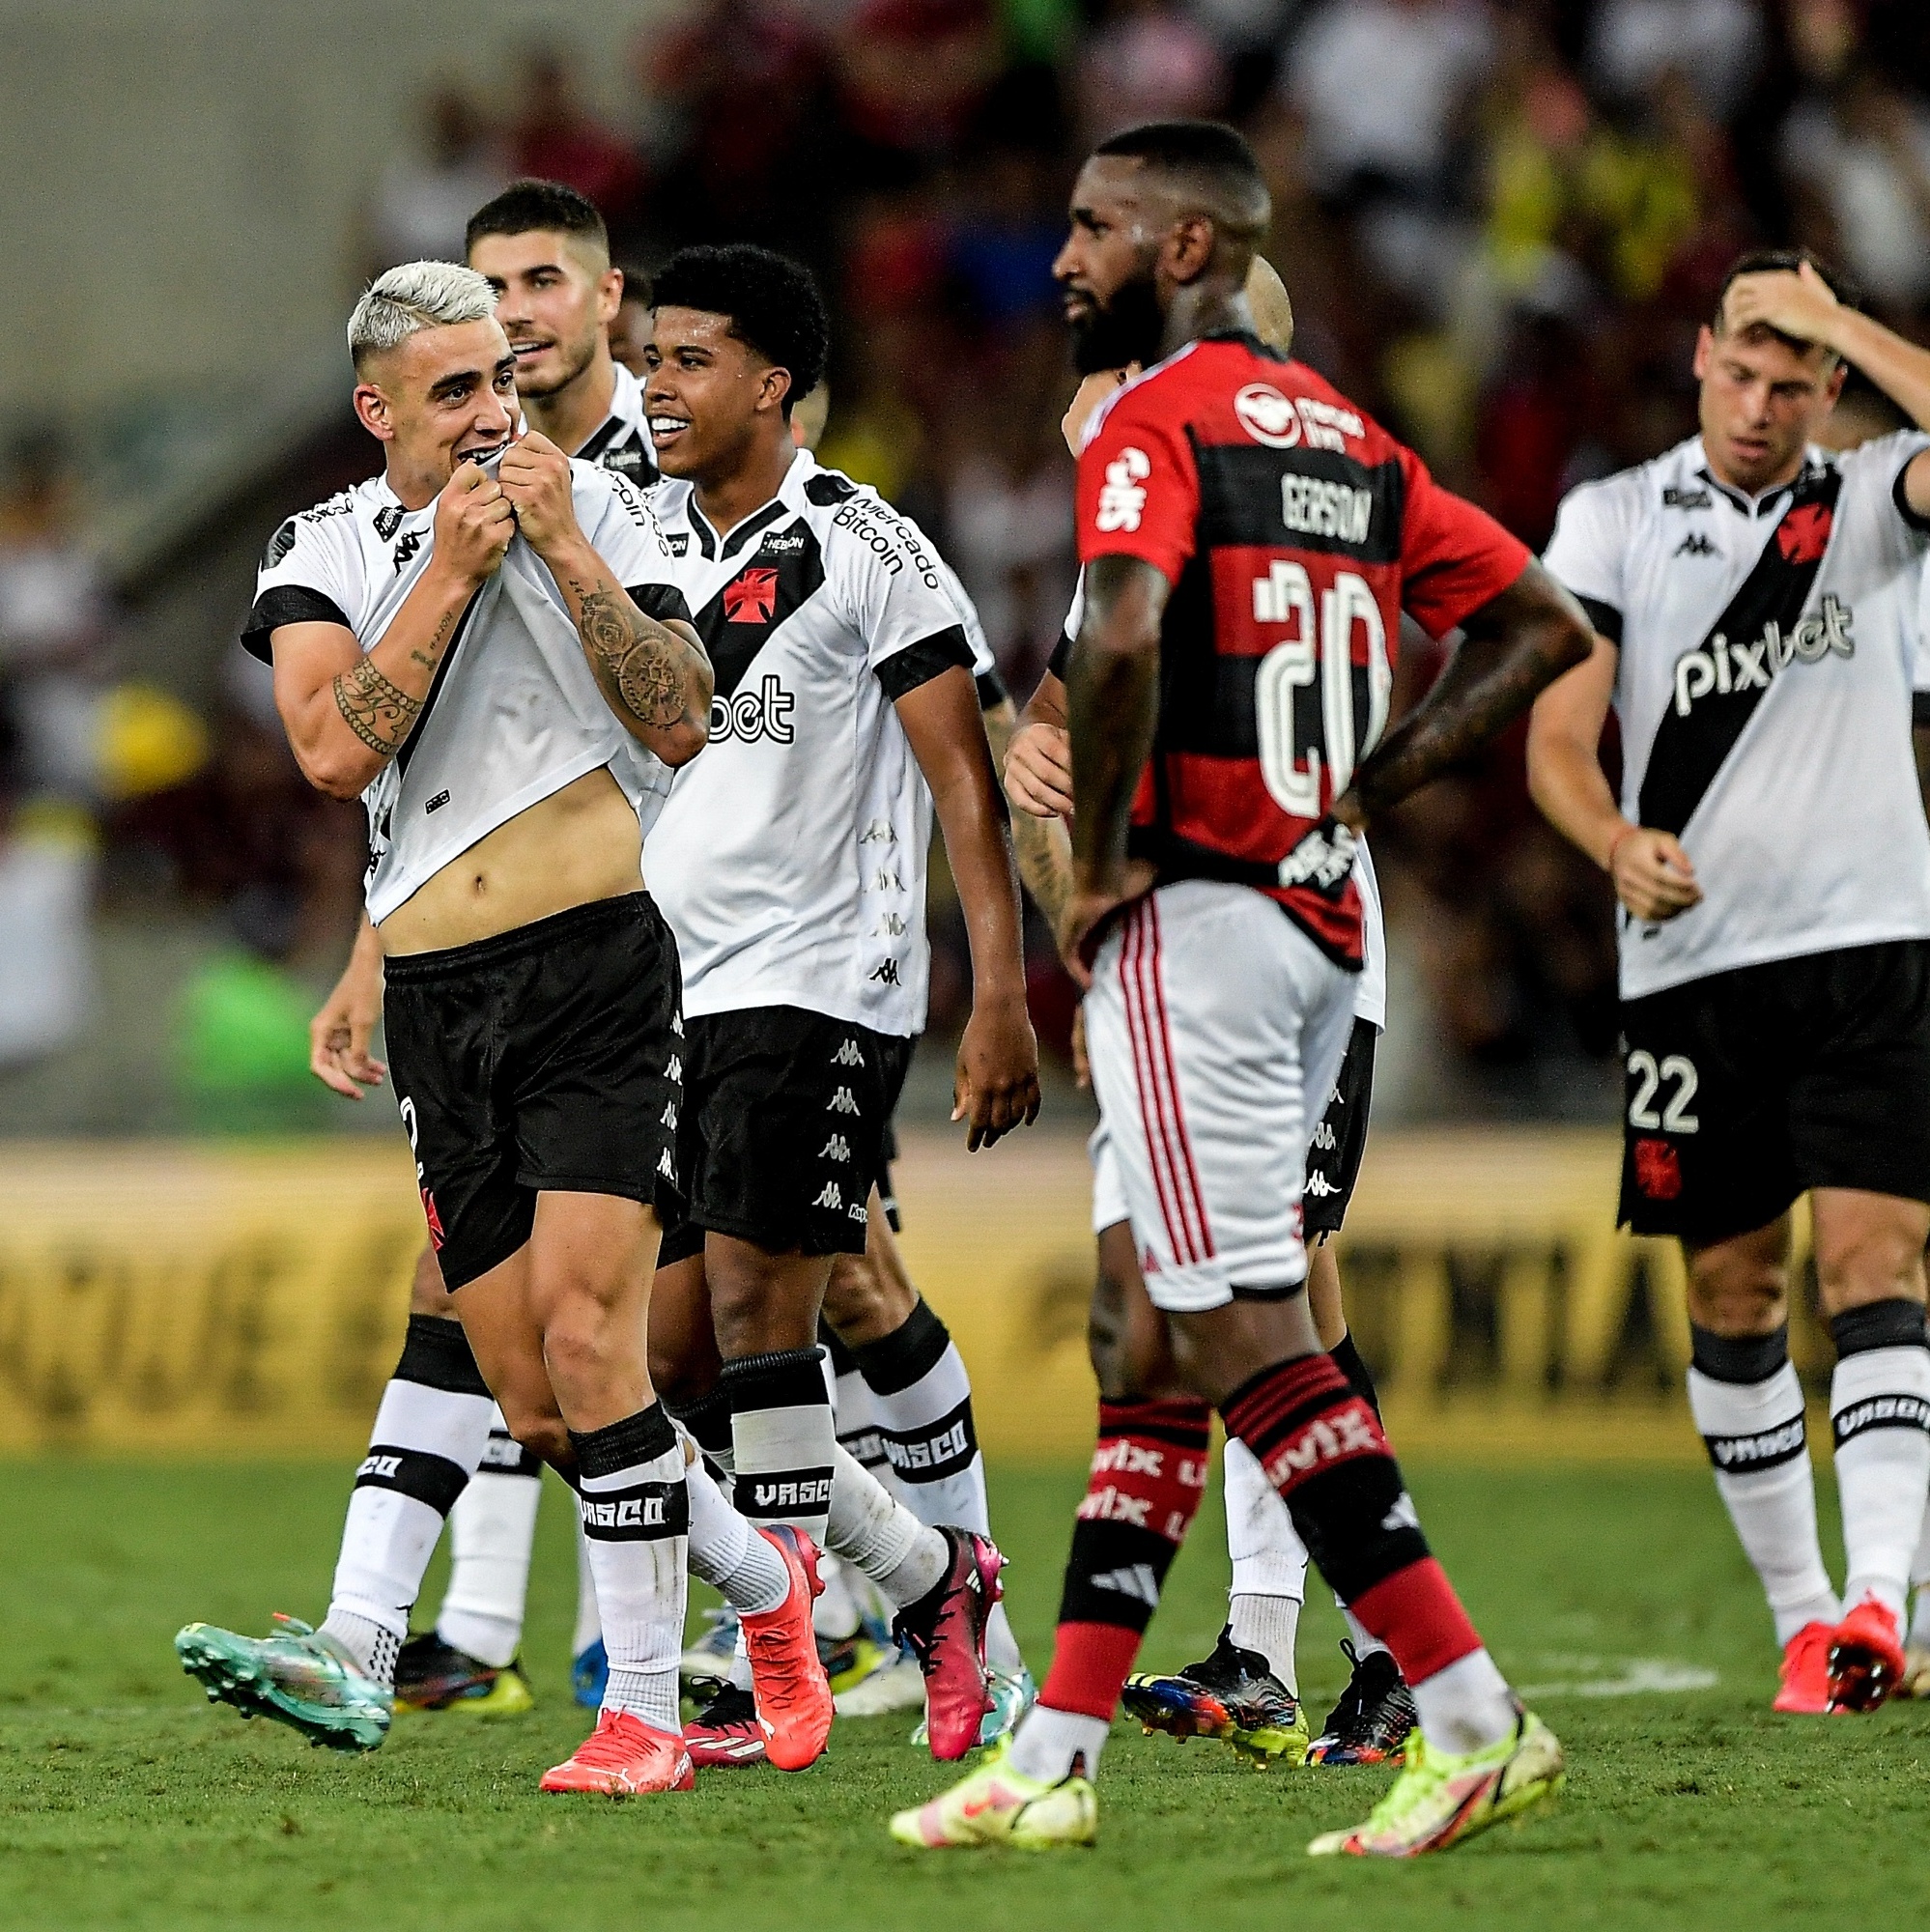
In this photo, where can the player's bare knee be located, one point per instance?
(535, 1423)
(1739, 1287)
(862, 1303)
(1869, 1250)
(681, 1374)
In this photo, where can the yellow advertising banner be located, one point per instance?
(205, 1298)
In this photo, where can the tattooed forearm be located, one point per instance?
(431, 657)
(374, 709)
(646, 666)
(1044, 862)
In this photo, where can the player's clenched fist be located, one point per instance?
(1653, 875)
(1038, 770)
(536, 479)
(475, 523)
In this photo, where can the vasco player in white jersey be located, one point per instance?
(792, 869)
(541, 246)
(468, 643)
(1226, 698)
(1246, 1690)
(544, 249)
(1753, 597)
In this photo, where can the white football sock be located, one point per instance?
(835, 1615)
(1269, 1565)
(589, 1620)
(429, 1430)
(918, 1403)
(782, 1439)
(728, 1554)
(1880, 1413)
(922, 1406)
(1465, 1706)
(1920, 1582)
(1047, 1741)
(492, 1530)
(634, 1506)
(872, 1529)
(1754, 1430)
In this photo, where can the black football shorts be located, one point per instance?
(785, 1122)
(544, 1059)
(1750, 1087)
(1333, 1155)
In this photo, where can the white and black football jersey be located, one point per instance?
(1369, 992)
(621, 442)
(790, 859)
(514, 713)
(1767, 653)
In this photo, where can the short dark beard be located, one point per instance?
(1131, 328)
(569, 375)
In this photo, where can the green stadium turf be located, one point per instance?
(125, 1800)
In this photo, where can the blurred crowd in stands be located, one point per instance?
(1502, 222)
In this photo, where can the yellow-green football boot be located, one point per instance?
(1442, 1798)
(998, 1806)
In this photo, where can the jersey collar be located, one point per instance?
(789, 498)
(1770, 501)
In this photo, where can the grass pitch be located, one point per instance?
(125, 1800)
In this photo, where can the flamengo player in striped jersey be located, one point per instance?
(1754, 599)
(1247, 1689)
(1249, 541)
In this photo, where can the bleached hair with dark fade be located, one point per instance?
(418, 294)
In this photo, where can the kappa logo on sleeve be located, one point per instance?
(1121, 500)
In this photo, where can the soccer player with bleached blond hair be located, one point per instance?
(485, 643)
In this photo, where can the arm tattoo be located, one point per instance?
(376, 711)
(646, 669)
(1494, 677)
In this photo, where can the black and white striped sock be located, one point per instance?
(430, 1433)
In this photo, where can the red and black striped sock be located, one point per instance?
(1320, 1444)
(1148, 1474)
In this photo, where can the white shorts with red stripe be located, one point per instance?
(1211, 1018)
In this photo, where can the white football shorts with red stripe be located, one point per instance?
(1211, 1020)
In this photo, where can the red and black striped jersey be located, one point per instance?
(1293, 531)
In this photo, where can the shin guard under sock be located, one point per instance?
(492, 1530)
(1879, 1415)
(922, 1406)
(782, 1439)
(1748, 1405)
(1149, 1473)
(430, 1433)
(1321, 1447)
(635, 1516)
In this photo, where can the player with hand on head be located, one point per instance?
(1755, 602)
(1247, 1689)
(791, 867)
(485, 643)
(1250, 540)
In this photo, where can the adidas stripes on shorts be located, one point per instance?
(1212, 1020)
